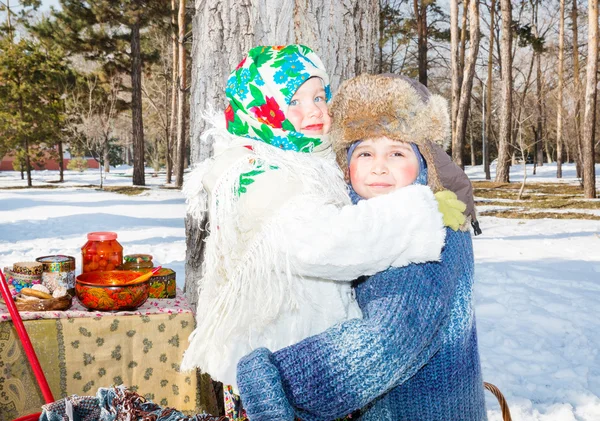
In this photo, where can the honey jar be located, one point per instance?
(138, 262)
(102, 252)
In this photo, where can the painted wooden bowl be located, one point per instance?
(105, 291)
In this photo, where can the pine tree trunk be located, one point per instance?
(26, 145)
(488, 105)
(343, 33)
(462, 115)
(181, 102)
(503, 165)
(559, 106)
(589, 174)
(456, 69)
(421, 17)
(136, 107)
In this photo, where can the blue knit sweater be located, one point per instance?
(412, 357)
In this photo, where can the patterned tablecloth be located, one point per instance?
(81, 351)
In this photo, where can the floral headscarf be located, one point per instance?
(259, 91)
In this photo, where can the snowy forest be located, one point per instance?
(128, 81)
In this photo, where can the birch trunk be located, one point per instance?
(539, 145)
(462, 115)
(488, 98)
(589, 175)
(181, 98)
(559, 106)
(173, 120)
(456, 69)
(578, 90)
(344, 33)
(503, 165)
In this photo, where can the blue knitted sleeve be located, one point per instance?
(352, 363)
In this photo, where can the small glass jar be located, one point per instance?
(102, 252)
(137, 262)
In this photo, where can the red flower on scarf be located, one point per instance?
(269, 113)
(229, 114)
(241, 63)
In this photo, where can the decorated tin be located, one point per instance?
(162, 284)
(17, 281)
(58, 270)
(28, 268)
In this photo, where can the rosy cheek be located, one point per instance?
(412, 172)
(352, 169)
(295, 118)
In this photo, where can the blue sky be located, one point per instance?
(47, 3)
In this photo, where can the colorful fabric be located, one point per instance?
(233, 405)
(177, 305)
(116, 403)
(259, 91)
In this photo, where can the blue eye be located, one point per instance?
(293, 102)
(319, 99)
(364, 154)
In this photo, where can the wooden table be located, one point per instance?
(81, 351)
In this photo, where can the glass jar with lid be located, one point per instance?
(101, 252)
(137, 262)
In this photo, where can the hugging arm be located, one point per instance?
(342, 244)
(351, 364)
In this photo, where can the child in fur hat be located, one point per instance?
(414, 355)
(285, 240)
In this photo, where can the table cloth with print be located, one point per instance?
(81, 351)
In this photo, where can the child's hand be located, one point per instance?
(451, 208)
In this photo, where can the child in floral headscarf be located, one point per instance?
(284, 237)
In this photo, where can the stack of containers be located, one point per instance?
(162, 284)
(23, 275)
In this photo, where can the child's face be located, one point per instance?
(381, 165)
(308, 110)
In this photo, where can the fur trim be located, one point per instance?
(370, 106)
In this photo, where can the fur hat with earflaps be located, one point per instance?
(372, 106)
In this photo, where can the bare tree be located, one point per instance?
(578, 89)
(344, 35)
(503, 165)
(173, 120)
(589, 174)
(559, 105)
(462, 114)
(488, 105)
(456, 69)
(181, 99)
(92, 114)
(538, 131)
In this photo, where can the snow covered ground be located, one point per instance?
(537, 281)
